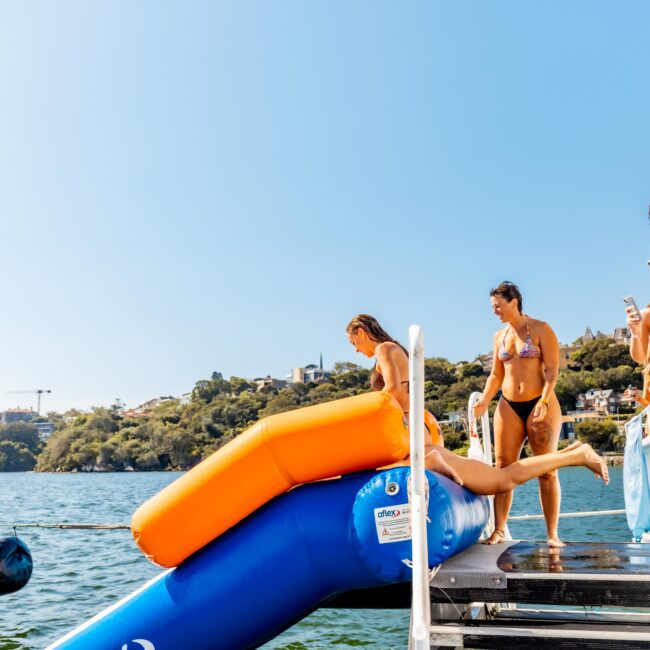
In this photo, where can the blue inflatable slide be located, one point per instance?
(285, 560)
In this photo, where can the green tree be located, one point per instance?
(600, 434)
(239, 385)
(470, 370)
(570, 385)
(24, 433)
(439, 371)
(355, 378)
(601, 353)
(15, 457)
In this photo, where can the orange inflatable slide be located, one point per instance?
(274, 455)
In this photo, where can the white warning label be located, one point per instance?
(393, 523)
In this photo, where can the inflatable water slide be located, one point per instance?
(283, 518)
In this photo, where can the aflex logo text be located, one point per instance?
(388, 513)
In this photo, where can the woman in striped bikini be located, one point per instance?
(524, 367)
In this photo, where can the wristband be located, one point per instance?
(544, 401)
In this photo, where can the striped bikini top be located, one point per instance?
(528, 351)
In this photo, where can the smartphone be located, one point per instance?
(629, 302)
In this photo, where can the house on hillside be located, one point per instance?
(268, 381)
(310, 373)
(566, 350)
(599, 401)
(143, 409)
(17, 415)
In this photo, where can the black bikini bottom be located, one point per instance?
(523, 409)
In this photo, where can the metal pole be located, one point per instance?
(421, 608)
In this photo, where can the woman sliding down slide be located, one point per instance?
(370, 339)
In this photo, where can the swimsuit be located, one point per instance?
(528, 351)
(431, 425)
(377, 381)
(523, 409)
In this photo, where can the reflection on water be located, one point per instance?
(78, 573)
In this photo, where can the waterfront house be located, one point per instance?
(601, 401)
(17, 415)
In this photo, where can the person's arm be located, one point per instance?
(387, 360)
(640, 331)
(493, 382)
(550, 351)
(643, 397)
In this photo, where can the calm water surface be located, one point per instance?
(78, 573)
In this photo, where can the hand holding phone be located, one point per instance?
(632, 310)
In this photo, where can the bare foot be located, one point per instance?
(555, 542)
(595, 463)
(436, 463)
(497, 537)
(571, 447)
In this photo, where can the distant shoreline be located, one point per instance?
(611, 459)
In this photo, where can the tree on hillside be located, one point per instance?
(23, 433)
(466, 370)
(570, 385)
(239, 385)
(439, 371)
(600, 434)
(15, 457)
(352, 377)
(601, 353)
(346, 366)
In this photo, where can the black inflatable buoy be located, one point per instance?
(15, 564)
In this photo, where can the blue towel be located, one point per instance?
(635, 478)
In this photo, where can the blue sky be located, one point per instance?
(189, 187)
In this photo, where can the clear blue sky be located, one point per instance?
(197, 186)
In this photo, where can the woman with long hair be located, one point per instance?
(391, 370)
(390, 375)
(525, 367)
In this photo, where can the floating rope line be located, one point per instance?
(70, 526)
(63, 526)
(587, 513)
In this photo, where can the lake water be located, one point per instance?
(79, 572)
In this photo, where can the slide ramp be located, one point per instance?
(283, 561)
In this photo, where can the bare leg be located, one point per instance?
(480, 478)
(509, 436)
(435, 462)
(543, 438)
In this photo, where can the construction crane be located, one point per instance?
(38, 392)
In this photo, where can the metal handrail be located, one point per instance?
(486, 444)
(485, 426)
(584, 513)
(421, 608)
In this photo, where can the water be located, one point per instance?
(78, 573)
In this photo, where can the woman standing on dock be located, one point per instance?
(524, 366)
(390, 375)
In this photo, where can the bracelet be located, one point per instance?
(544, 401)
